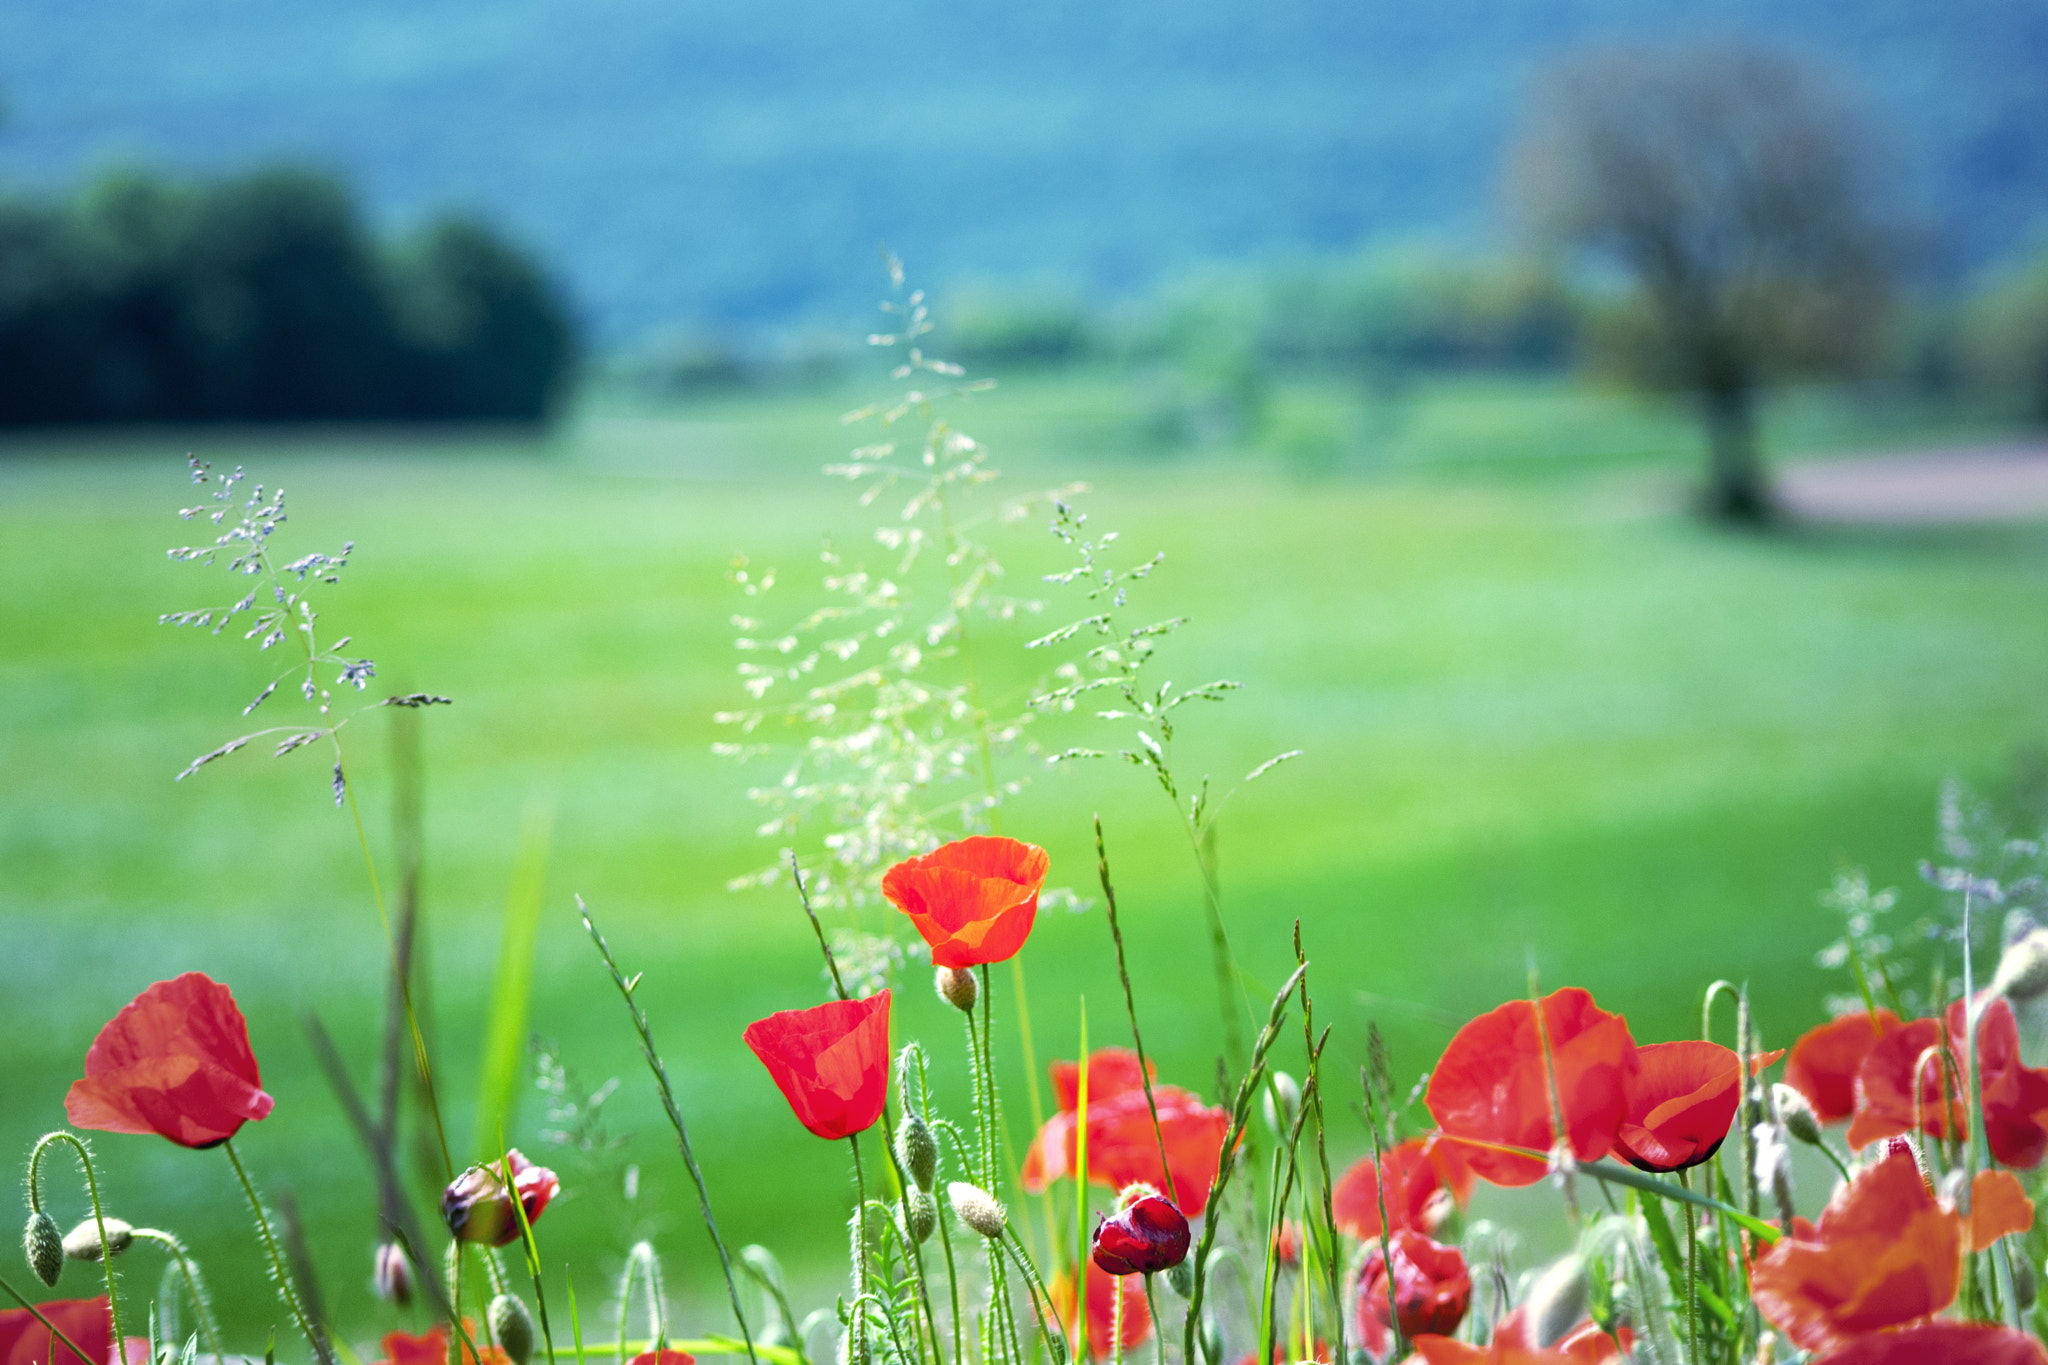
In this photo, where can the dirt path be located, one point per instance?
(1981, 483)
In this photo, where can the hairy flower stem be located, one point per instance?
(52, 1327)
(99, 1216)
(1158, 1324)
(1241, 1110)
(176, 1250)
(860, 1253)
(1123, 973)
(1692, 1273)
(285, 1289)
(675, 1118)
(1050, 1325)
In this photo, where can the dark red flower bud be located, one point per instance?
(1149, 1236)
(391, 1276)
(478, 1208)
(1432, 1288)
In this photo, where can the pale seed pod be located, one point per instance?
(957, 987)
(978, 1209)
(44, 1247)
(1795, 1111)
(82, 1243)
(1181, 1278)
(2023, 968)
(513, 1327)
(1557, 1301)
(918, 1151)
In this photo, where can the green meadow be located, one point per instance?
(1550, 722)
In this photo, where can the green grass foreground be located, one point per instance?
(1545, 714)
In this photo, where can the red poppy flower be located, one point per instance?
(1585, 1344)
(88, 1322)
(1887, 1254)
(831, 1062)
(1432, 1288)
(664, 1358)
(477, 1207)
(1102, 1289)
(1492, 1086)
(431, 1347)
(2015, 1095)
(1681, 1104)
(175, 1061)
(1998, 1206)
(1122, 1148)
(1148, 1236)
(972, 899)
(1825, 1061)
(1941, 1343)
(1285, 1353)
(1421, 1189)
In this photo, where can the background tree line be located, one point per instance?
(265, 298)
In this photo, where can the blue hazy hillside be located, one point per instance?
(719, 161)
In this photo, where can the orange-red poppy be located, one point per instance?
(1493, 1087)
(973, 899)
(1431, 1288)
(1824, 1061)
(88, 1322)
(1681, 1103)
(1122, 1147)
(1998, 1206)
(176, 1061)
(1103, 1291)
(1886, 1254)
(1585, 1344)
(1941, 1343)
(831, 1062)
(2015, 1095)
(431, 1347)
(1422, 1186)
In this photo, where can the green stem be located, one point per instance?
(1158, 1325)
(99, 1216)
(1692, 1274)
(284, 1277)
(199, 1310)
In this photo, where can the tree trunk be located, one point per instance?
(1736, 490)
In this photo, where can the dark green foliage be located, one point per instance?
(264, 298)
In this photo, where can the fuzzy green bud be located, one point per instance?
(44, 1247)
(2024, 1285)
(512, 1325)
(82, 1243)
(918, 1151)
(1558, 1301)
(920, 1216)
(957, 987)
(1181, 1278)
(1795, 1111)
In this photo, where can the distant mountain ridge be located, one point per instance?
(719, 163)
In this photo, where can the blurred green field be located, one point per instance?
(1546, 716)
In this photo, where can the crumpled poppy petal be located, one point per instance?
(831, 1062)
(88, 1322)
(175, 1061)
(973, 900)
(1417, 1193)
(1886, 1254)
(1998, 1206)
(1941, 1343)
(1825, 1061)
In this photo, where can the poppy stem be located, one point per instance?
(99, 1217)
(860, 1253)
(924, 1086)
(1692, 1272)
(1054, 1330)
(192, 1290)
(1158, 1324)
(285, 1291)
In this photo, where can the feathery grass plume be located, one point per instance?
(1116, 664)
(870, 699)
(277, 607)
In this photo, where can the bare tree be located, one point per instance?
(1735, 188)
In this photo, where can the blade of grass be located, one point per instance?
(511, 989)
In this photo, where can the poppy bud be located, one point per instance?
(957, 987)
(82, 1243)
(1182, 1279)
(44, 1247)
(1281, 1118)
(1147, 1236)
(2023, 968)
(1557, 1302)
(391, 1276)
(917, 1151)
(977, 1208)
(1795, 1111)
(513, 1327)
(1431, 1286)
(920, 1216)
(478, 1208)
(2024, 1285)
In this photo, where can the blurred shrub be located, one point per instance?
(264, 298)
(1017, 328)
(2003, 347)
